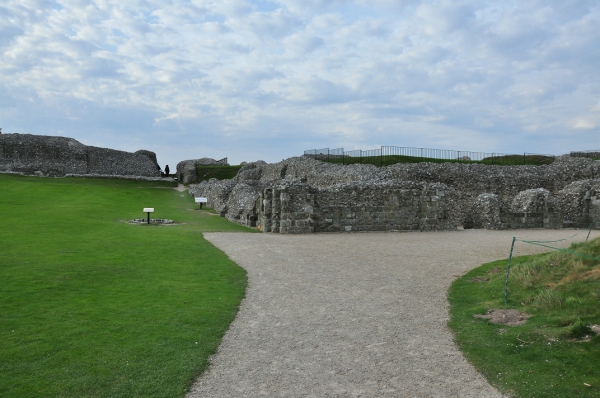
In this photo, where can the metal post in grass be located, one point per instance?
(590, 231)
(148, 210)
(512, 246)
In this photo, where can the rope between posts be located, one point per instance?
(570, 237)
(542, 243)
(562, 250)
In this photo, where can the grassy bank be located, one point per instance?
(387, 160)
(555, 353)
(205, 173)
(93, 306)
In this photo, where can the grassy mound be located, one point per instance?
(387, 160)
(555, 352)
(205, 173)
(93, 306)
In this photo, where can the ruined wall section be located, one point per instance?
(241, 205)
(51, 156)
(580, 204)
(113, 162)
(301, 208)
(407, 206)
(217, 193)
(534, 208)
(301, 195)
(59, 156)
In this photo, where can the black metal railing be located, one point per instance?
(388, 155)
(594, 154)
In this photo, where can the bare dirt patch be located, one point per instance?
(508, 317)
(181, 188)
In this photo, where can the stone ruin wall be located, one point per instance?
(302, 195)
(300, 208)
(59, 156)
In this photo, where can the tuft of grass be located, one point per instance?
(579, 330)
(555, 353)
(93, 306)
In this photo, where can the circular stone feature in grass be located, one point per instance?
(159, 221)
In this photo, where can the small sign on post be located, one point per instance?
(201, 201)
(148, 210)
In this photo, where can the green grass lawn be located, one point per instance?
(550, 355)
(91, 306)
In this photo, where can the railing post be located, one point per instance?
(512, 246)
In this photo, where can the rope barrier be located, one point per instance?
(570, 237)
(542, 243)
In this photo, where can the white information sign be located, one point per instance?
(148, 209)
(201, 200)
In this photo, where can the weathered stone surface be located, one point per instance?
(215, 191)
(59, 156)
(241, 206)
(151, 155)
(580, 203)
(486, 212)
(301, 194)
(186, 170)
(535, 208)
(533, 201)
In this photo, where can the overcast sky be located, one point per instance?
(260, 79)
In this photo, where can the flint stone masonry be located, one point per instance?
(186, 170)
(60, 156)
(300, 208)
(580, 203)
(532, 208)
(304, 195)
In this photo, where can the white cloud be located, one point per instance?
(285, 73)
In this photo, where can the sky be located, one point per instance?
(268, 79)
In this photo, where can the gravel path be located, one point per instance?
(352, 315)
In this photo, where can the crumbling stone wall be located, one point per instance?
(59, 156)
(301, 195)
(534, 208)
(297, 207)
(580, 203)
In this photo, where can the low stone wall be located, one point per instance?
(58, 156)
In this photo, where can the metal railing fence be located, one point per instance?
(388, 155)
(594, 154)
